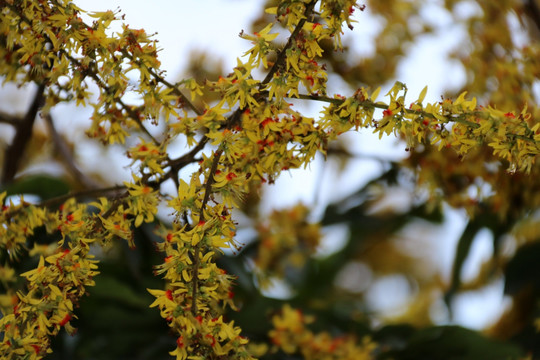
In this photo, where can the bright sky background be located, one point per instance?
(214, 25)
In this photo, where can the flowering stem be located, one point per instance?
(196, 263)
(371, 104)
(282, 56)
(81, 194)
(283, 53)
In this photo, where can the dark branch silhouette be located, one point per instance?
(14, 152)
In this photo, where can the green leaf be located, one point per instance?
(462, 251)
(112, 289)
(523, 269)
(453, 343)
(44, 186)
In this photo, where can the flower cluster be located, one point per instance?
(459, 124)
(19, 221)
(55, 286)
(290, 335)
(287, 239)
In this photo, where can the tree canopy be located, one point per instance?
(178, 260)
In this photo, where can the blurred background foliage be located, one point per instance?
(380, 274)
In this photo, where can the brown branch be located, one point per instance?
(66, 154)
(9, 119)
(210, 182)
(196, 263)
(15, 151)
(119, 200)
(82, 194)
(533, 11)
(323, 99)
(188, 157)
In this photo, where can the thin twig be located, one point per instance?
(173, 87)
(129, 110)
(82, 194)
(177, 92)
(119, 200)
(322, 98)
(66, 154)
(188, 157)
(9, 119)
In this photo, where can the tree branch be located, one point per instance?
(188, 157)
(324, 99)
(9, 119)
(15, 151)
(177, 164)
(534, 12)
(64, 151)
(82, 194)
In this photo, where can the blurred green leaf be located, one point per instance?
(453, 343)
(523, 269)
(44, 186)
(462, 251)
(108, 288)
